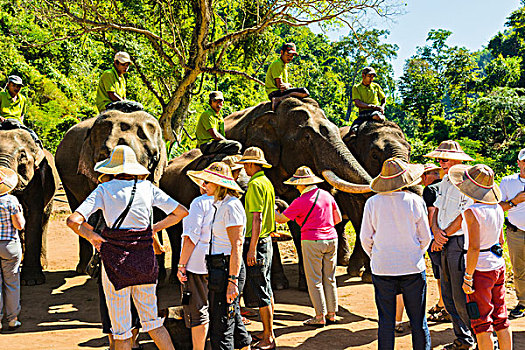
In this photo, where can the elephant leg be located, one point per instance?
(32, 267)
(296, 234)
(358, 260)
(175, 233)
(85, 253)
(343, 248)
(158, 215)
(279, 280)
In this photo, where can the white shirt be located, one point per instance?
(490, 218)
(113, 197)
(230, 212)
(395, 233)
(197, 227)
(450, 203)
(510, 186)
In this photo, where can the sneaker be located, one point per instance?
(517, 312)
(14, 324)
(457, 345)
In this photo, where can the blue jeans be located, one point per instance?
(452, 273)
(414, 290)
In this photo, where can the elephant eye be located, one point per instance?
(124, 126)
(141, 134)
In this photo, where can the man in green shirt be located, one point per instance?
(369, 98)
(13, 107)
(259, 205)
(112, 85)
(210, 129)
(276, 83)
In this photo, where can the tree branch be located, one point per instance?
(212, 70)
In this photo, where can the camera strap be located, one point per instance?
(123, 215)
(215, 209)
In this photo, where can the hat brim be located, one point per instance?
(198, 182)
(434, 168)
(311, 180)
(412, 176)
(10, 180)
(220, 181)
(442, 154)
(256, 161)
(106, 167)
(458, 177)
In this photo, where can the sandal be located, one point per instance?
(436, 309)
(330, 320)
(399, 328)
(246, 321)
(442, 316)
(314, 322)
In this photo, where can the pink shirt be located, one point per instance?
(320, 223)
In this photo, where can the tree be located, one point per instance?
(173, 42)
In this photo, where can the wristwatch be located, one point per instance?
(233, 277)
(511, 204)
(181, 265)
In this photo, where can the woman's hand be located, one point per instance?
(468, 285)
(232, 292)
(96, 240)
(181, 274)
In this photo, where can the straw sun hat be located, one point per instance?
(218, 173)
(8, 180)
(449, 150)
(121, 161)
(229, 160)
(430, 167)
(254, 155)
(396, 174)
(303, 176)
(476, 182)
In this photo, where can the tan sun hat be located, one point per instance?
(122, 57)
(254, 155)
(218, 173)
(232, 162)
(449, 150)
(303, 176)
(121, 161)
(396, 174)
(476, 182)
(430, 167)
(8, 180)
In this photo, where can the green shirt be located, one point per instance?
(372, 94)
(260, 197)
(109, 82)
(15, 109)
(277, 69)
(208, 120)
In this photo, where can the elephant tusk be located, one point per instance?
(343, 185)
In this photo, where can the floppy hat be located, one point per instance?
(218, 173)
(396, 174)
(8, 180)
(122, 57)
(303, 176)
(449, 150)
(476, 182)
(254, 155)
(231, 161)
(121, 161)
(430, 167)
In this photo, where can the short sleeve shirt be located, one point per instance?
(430, 193)
(510, 186)
(110, 81)
(372, 94)
(208, 120)
(9, 206)
(277, 69)
(229, 213)
(14, 109)
(260, 197)
(320, 224)
(112, 198)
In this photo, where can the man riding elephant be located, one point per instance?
(93, 140)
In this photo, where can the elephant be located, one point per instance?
(374, 143)
(93, 140)
(37, 183)
(297, 133)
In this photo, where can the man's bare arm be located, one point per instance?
(113, 96)
(216, 135)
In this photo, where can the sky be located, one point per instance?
(472, 22)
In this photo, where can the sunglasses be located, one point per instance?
(443, 160)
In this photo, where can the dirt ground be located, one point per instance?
(63, 312)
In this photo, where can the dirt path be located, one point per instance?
(63, 313)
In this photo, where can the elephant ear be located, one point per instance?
(85, 160)
(262, 132)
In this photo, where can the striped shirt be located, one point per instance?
(9, 206)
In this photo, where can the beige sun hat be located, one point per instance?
(8, 180)
(218, 173)
(476, 182)
(430, 167)
(121, 161)
(232, 162)
(396, 174)
(254, 155)
(303, 176)
(449, 150)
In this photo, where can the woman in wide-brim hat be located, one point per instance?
(225, 255)
(395, 234)
(10, 246)
(484, 280)
(129, 267)
(317, 213)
